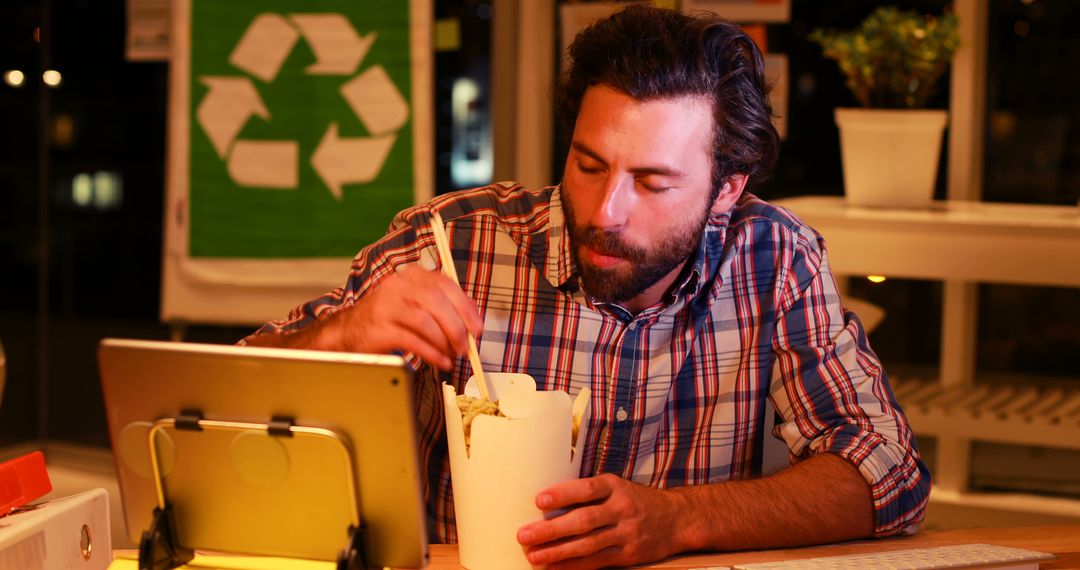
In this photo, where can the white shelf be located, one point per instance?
(1001, 509)
(973, 241)
(963, 243)
(1005, 414)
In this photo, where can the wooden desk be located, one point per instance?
(1063, 541)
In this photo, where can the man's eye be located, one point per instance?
(653, 188)
(588, 169)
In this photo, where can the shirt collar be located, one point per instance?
(705, 262)
(702, 267)
(561, 272)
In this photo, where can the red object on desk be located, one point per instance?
(22, 480)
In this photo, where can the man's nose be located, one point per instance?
(615, 202)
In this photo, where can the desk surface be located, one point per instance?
(1061, 540)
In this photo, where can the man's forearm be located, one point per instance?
(819, 500)
(308, 338)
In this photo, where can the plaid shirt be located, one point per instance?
(679, 390)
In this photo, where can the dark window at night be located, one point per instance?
(1032, 156)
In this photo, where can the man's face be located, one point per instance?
(637, 190)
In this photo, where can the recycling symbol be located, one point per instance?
(231, 100)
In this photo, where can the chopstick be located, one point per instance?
(448, 269)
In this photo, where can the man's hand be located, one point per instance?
(610, 522)
(613, 522)
(414, 310)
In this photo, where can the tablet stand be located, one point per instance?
(160, 547)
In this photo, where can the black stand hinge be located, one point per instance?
(279, 426)
(159, 549)
(189, 420)
(354, 557)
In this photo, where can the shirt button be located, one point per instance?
(621, 415)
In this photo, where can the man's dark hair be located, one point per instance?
(652, 53)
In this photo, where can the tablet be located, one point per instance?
(266, 451)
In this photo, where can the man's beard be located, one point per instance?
(644, 267)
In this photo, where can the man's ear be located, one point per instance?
(729, 193)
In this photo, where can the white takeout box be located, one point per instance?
(510, 460)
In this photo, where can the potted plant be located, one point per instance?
(890, 147)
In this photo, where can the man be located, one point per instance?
(684, 303)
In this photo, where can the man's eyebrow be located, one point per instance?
(658, 170)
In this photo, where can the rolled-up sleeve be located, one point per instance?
(834, 396)
(405, 243)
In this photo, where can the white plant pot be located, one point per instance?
(890, 155)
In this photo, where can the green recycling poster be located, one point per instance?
(300, 135)
(297, 129)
